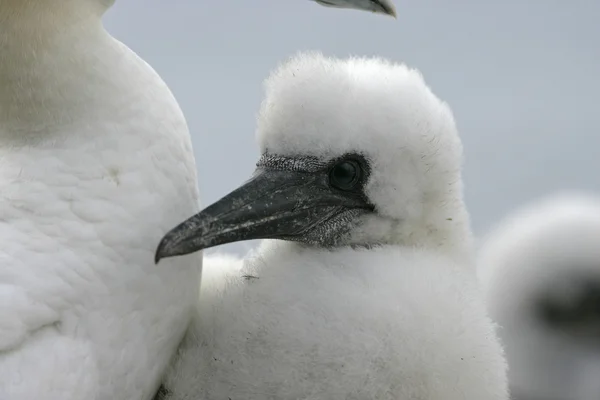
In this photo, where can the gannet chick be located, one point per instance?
(540, 269)
(385, 7)
(371, 292)
(91, 143)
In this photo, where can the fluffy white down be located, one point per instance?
(349, 324)
(401, 321)
(528, 257)
(327, 107)
(95, 166)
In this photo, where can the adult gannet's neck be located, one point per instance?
(48, 50)
(48, 15)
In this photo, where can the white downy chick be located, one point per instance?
(372, 291)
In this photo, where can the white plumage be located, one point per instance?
(95, 165)
(376, 297)
(540, 269)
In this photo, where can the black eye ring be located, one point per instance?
(345, 174)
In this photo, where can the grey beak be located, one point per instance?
(274, 204)
(378, 6)
(386, 7)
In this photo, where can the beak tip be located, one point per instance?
(171, 245)
(161, 251)
(388, 8)
(158, 255)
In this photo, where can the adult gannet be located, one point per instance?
(372, 293)
(541, 272)
(92, 142)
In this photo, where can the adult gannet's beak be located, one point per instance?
(377, 6)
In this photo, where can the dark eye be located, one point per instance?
(345, 175)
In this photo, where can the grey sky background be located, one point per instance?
(522, 78)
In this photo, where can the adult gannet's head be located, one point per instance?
(540, 270)
(354, 152)
(376, 6)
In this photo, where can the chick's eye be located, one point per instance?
(345, 175)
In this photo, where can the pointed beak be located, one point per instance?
(274, 204)
(386, 7)
(377, 6)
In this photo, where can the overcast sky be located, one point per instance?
(522, 78)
